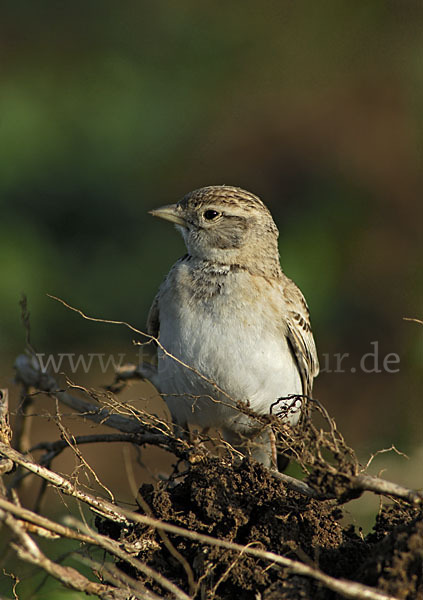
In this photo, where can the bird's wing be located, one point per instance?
(147, 368)
(153, 319)
(300, 335)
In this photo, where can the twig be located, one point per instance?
(56, 447)
(28, 371)
(225, 574)
(69, 438)
(413, 319)
(386, 488)
(23, 425)
(364, 483)
(25, 315)
(384, 451)
(6, 465)
(295, 484)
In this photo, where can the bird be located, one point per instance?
(233, 331)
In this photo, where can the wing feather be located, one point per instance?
(153, 319)
(300, 335)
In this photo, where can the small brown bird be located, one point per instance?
(227, 311)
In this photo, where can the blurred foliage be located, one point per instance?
(110, 109)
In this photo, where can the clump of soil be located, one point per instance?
(396, 561)
(244, 504)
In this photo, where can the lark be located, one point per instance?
(234, 331)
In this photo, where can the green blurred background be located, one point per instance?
(110, 109)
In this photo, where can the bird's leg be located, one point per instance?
(257, 445)
(274, 458)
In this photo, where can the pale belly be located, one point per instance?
(225, 360)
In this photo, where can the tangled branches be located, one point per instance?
(220, 525)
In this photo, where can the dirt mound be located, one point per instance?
(246, 505)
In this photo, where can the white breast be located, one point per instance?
(239, 346)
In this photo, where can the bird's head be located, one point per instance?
(224, 224)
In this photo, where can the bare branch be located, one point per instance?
(387, 488)
(363, 483)
(42, 525)
(7, 509)
(29, 372)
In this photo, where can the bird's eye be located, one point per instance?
(210, 215)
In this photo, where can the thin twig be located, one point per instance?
(146, 335)
(413, 319)
(42, 524)
(384, 451)
(294, 484)
(6, 465)
(69, 438)
(23, 425)
(55, 448)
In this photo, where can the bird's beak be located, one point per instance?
(168, 213)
